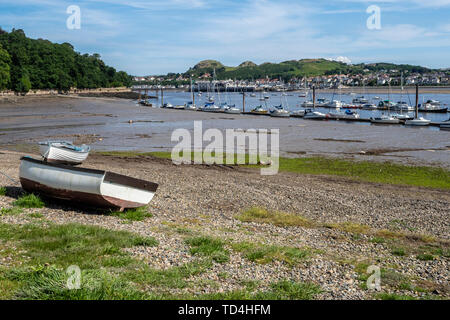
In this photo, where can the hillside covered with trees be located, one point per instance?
(27, 64)
(291, 69)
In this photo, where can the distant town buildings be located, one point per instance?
(382, 78)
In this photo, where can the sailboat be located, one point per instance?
(231, 108)
(417, 121)
(386, 119)
(191, 104)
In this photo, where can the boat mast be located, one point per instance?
(417, 101)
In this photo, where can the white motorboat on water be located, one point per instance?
(211, 107)
(384, 119)
(402, 106)
(179, 107)
(63, 152)
(231, 109)
(307, 104)
(298, 113)
(84, 186)
(190, 106)
(360, 100)
(418, 122)
(348, 114)
(314, 115)
(369, 106)
(167, 106)
(321, 102)
(279, 112)
(335, 104)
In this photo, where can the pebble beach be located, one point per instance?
(206, 200)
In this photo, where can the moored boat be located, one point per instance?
(279, 112)
(63, 152)
(85, 186)
(231, 109)
(313, 115)
(384, 119)
(259, 110)
(418, 122)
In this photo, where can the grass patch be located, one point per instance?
(393, 296)
(425, 257)
(36, 215)
(71, 244)
(398, 252)
(3, 191)
(369, 171)
(281, 290)
(261, 253)
(137, 214)
(350, 227)
(209, 247)
(289, 290)
(47, 250)
(11, 211)
(280, 219)
(29, 201)
(171, 278)
(50, 283)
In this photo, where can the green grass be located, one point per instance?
(280, 219)
(49, 283)
(11, 211)
(47, 250)
(174, 277)
(137, 214)
(71, 244)
(398, 252)
(281, 290)
(393, 296)
(369, 171)
(289, 290)
(209, 247)
(29, 201)
(261, 253)
(425, 257)
(2, 191)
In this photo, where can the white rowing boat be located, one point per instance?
(85, 186)
(63, 152)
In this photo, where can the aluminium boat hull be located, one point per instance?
(85, 186)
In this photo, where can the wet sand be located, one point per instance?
(104, 123)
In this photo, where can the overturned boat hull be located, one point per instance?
(85, 186)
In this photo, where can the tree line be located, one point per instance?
(27, 64)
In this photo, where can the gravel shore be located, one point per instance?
(206, 199)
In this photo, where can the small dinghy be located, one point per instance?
(64, 152)
(85, 186)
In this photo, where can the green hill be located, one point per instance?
(40, 64)
(292, 69)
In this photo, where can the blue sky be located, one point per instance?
(160, 36)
